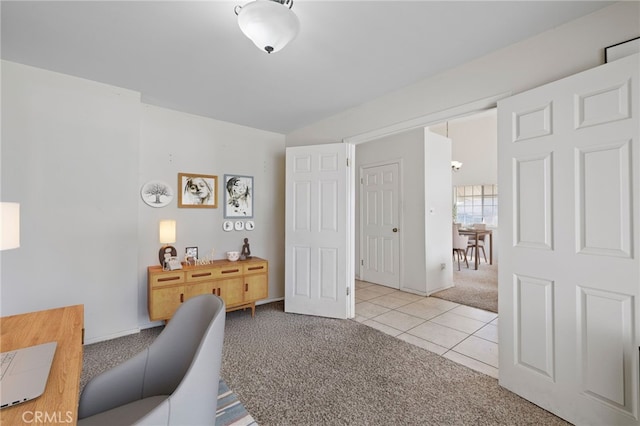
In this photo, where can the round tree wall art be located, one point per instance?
(156, 193)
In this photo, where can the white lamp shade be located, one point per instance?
(268, 24)
(167, 231)
(9, 226)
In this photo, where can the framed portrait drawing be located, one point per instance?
(238, 196)
(197, 191)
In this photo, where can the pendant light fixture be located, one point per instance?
(269, 24)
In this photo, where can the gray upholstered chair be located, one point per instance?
(172, 382)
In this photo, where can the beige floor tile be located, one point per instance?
(419, 310)
(472, 364)
(383, 327)
(389, 301)
(366, 294)
(410, 297)
(463, 334)
(424, 344)
(488, 332)
(398, 320)
(381, 290)
(479, 349)
(359, 318)
(362, 284)
(458, 322)
(475, 313)
(438, 334)
(440, 304)
(370, 310)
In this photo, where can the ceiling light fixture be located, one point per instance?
(269, 24)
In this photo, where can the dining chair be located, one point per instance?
(460, 243)
(472, 241)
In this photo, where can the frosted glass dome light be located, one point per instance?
(269, 24)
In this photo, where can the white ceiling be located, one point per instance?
(191, 56)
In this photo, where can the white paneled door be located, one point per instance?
(569, 279)
(379, 221)
(319, 240)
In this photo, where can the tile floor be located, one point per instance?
(463, 334)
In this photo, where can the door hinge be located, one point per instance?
(361, 181)
(347, 162)
(362, 262)
(348, 291)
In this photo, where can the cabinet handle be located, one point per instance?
(230, 271)
(218, 292)
(203, 274)
(254, 268)
(181, 297)
(168, 279)
(246, 286)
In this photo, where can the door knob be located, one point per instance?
(395, 229)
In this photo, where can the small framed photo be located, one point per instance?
(622, 49)
(238, 196)
(197, 191)
(191, 254)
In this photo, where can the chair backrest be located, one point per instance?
(459, 241)
(184, 361)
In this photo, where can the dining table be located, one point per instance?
(475, 233)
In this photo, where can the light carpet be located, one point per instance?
(292, 369)
(476, 288)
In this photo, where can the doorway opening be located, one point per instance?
(457, 330)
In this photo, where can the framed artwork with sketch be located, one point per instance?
(238, 196)
(197, 191)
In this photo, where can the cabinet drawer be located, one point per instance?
(230, 271)
(255, 268)
(203, 274)
(166, 278)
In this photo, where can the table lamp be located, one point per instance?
(167, 236)
(9, 226)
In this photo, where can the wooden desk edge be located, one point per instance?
(59, 402)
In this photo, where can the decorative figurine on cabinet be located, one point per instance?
(246, 251)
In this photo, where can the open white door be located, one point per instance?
(319, 241)
(569, 279)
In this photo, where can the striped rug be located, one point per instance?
(230, 410)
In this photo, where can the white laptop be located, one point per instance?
(25, 373)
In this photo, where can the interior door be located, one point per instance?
(380, 224)
(319, 240)
(569, 278)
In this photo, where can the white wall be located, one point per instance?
(408, 149)
(172, 142)
(438, 201)
(474, 143)
(422, 248)
(563, 51)
(70, 158)
(75, 154)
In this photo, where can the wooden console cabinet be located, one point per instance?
(240, 284)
